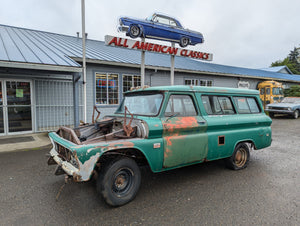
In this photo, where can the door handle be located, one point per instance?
(201, 122)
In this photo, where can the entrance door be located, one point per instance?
(17, 106)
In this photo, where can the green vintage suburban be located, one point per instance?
(164, 128)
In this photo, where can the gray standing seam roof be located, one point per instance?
(39, 47)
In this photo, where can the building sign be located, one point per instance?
(156, 48)
(243, 85)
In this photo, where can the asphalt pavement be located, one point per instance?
(265, 193)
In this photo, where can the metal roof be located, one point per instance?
(20, 45)
(278, 69)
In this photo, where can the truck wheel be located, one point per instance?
(134, 31)
(240, 157)
(296, 114)
(119, 181)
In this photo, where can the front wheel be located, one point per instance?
(134, 31)
(296, 114)
(240, 157)
(119, 181)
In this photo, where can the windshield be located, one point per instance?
(291, 100)
(142, 104)
(277, 91)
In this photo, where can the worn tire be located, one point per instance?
(119, 181)
(134, 31)
(296, 114)
(240, 157)
(184, 42)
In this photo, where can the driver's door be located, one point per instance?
(184, 132)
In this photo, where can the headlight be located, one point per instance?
(289, 109)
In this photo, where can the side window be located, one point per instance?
(253, 105)
(215, 105)
(246, 105)
(242, 105)
(226, 105)
(180, 105)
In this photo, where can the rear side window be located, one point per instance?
(217, 105)
(246, 105)
(180, 105)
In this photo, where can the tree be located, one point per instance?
(293, 91)
(291, 61)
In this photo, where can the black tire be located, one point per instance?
(296, 114)
(240, 157)
(134, 31)
(271, 114)
(119, 181)
(184, 42)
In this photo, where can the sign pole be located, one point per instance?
(172, 65)
(143, 65)
(83, 60)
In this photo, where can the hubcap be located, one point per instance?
(122, 181)
(241, 157)
(134, 30)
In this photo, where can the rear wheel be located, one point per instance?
(240, 157)
(119, 181)
(184, 41)
(134, 31)
(296, 114)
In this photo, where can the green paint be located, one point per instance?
(187, 140)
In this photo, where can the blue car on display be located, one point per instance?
(288, 106)
(160, 27)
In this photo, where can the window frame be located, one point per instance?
(197, 82)
(107, 92)
(181, 94)
(219, 104)
(132, 80)
(246, 98)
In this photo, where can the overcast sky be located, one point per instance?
(245, 33)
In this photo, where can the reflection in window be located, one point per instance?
(246, 105)
(180, 105)
(217, 105)
(107, 88)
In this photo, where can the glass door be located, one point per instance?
(18, 103)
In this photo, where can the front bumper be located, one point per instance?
(66, 166)
(123, 28)
(277, 111)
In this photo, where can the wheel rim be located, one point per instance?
(185, 41)
(134, 30)
(240, 157)
(296, 114)
(122, 181)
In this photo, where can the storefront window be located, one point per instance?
(107, 88)
(131, 81)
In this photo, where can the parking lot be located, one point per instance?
(265, 193)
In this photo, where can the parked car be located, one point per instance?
(163, 128)
(288, 106)
(160, 27)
